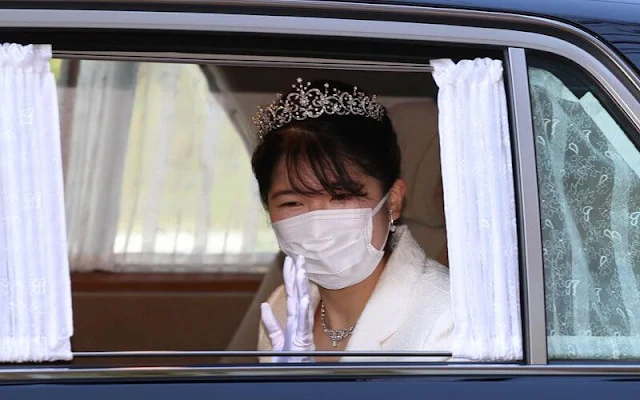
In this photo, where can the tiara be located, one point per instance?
(307, 102)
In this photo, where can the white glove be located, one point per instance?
(298, 335)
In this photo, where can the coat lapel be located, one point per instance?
(389, 302)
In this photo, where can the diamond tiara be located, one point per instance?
(309, 102)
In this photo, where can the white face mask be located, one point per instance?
(335, 243)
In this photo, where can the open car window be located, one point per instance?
(158, 181)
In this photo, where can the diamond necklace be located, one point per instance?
(337, 334)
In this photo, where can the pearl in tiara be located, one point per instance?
(307, 102)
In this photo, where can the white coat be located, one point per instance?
(409, 309)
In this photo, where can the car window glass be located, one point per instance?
(589, 183)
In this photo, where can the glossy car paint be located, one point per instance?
(615, 21)
(454, 387)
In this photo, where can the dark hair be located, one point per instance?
(327, 146)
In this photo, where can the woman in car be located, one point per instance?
(328, 169)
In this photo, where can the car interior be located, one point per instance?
(194, 316)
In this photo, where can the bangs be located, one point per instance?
(316, 165)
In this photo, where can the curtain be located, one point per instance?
(35, 293)
(189, 200)
(159, 178)
(589, 179)
(479, 209)
(101, 116)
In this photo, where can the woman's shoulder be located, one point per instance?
(427, 323)
(432, 299)
(430, 304)
(435, 277)
(431, 295)
(431, 275)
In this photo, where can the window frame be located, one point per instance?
(616, 77)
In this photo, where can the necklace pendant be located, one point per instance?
(334, 335)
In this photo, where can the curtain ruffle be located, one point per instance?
(28, 57)
(480, 70)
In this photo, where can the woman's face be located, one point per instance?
(283, 202)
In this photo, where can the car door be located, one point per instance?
(383, 40)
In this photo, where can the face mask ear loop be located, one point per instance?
(392, 227)
(379, 206)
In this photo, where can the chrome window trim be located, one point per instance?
(246, 61)
(243, 353)
(530, 236)
(31, 374)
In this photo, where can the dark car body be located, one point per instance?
(615, 22)
(607, 30)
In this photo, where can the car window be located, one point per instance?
(589, 181)
(158, 181)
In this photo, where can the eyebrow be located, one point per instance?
(282, 193)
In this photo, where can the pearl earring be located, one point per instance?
(392, 227)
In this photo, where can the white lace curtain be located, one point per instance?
(479, 209)
(589, 174)
(99, 121)
(158, 177)
(35, 293)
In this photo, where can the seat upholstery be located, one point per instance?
(416, 124)
(417, 128)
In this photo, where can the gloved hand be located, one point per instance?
(298, 335)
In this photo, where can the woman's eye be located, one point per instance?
(290, 204)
